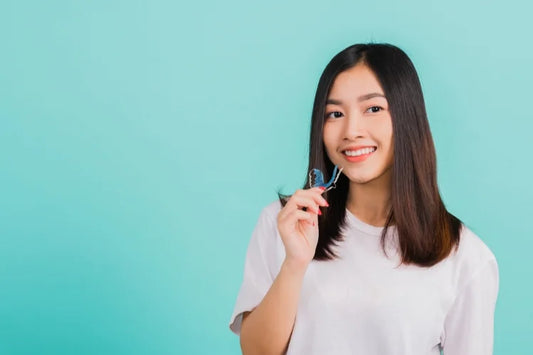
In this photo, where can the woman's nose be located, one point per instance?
(354, 127)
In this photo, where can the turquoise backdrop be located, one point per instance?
(139, 140)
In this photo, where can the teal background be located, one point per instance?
(139, 140)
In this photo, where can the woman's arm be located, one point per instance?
(469, 326)
(267, 329)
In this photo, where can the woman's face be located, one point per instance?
(358, 128)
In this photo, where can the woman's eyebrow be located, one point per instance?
(359, 99)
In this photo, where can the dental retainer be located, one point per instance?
(316, 178)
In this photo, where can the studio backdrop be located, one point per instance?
(139, 141)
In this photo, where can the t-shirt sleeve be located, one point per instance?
(469, 325)
(259, 268)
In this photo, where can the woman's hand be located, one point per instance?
(298, 227)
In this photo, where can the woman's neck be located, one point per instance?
(370, 202)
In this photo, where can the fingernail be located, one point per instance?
(327, 204)
(322, 188)
(319, 212)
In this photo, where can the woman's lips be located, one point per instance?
(358, 158)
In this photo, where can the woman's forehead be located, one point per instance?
(354, 82)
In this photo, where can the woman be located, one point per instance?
(376, 265)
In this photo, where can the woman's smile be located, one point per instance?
(356, 155)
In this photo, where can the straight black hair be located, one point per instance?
(427, 232)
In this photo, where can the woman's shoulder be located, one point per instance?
(471, 257)
(272, 209)
(266, 236)
(266, 231)
(472, 248)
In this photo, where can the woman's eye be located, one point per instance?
(374, 109)
(334, 114)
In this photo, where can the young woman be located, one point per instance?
(376, 265)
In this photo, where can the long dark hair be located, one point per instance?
(427, 232)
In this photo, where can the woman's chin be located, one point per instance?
(362, 179)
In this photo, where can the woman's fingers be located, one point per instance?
(303, 205)
(307, 199)
(293, 215)
(299, 215)
(316, 194)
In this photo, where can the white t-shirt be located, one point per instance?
(364, 303)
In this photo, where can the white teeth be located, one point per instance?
(356, 153)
